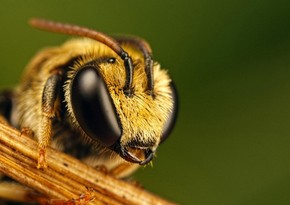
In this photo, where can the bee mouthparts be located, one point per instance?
(133, 154)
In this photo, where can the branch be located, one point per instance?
(65, 178)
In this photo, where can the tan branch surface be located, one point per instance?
(65, 178)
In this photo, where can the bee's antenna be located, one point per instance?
(89, 33)
(146, 50)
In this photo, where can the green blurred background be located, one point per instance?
(230, 60)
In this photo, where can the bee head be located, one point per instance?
(129, 113)
(131, 126)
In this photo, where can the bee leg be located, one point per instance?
(49, 98)
(102, 168)
(83, 199)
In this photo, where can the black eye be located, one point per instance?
(168, 127)
(93, 106)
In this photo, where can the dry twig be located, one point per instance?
(65, 178)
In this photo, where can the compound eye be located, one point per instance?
(93, 107)
(168, 127)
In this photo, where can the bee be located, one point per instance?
(101, 99)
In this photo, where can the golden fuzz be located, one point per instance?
(141, 116)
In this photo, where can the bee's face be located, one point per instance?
(132, 126)
(115, 94)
